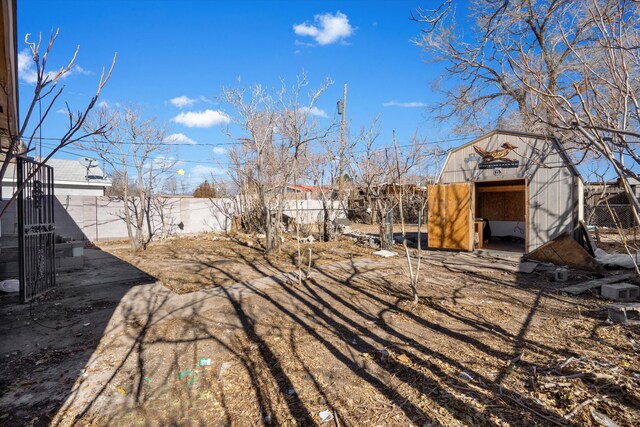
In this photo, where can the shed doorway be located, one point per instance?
(501, 213)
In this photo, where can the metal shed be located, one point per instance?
(520, 187)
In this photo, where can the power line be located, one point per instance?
(220, 144)
(76, 153)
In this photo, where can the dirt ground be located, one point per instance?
(492, 347)
(190, 264)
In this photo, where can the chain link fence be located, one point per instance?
(610, 216)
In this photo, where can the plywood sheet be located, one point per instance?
(450, 219)
(502, 206)
(564, 250)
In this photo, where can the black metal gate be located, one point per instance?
(36, 229)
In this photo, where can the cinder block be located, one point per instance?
(620, 291)
(628, 314)
(78, 251)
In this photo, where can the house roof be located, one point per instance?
(555, 140)
(70, 172)
(308, 188)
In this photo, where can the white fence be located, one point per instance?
(100, 218)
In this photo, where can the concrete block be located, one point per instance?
(78, 251)
(620, 291)
(628, 314)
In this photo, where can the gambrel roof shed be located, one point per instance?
(524, 185)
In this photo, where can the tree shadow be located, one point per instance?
(343, 338)
(48, 342)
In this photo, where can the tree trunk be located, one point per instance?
(127, 212)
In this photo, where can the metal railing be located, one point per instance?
(36, 238)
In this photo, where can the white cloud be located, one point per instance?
(404, 104)
(79, 70)
(182, 101)
(206, 100)
(103, 104)
(202, 119)
(328, 28)
(315, 111)
(180, 138)
(26, 68)
(28, 74)
(61, 111)
(219, 150)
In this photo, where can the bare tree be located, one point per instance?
(382, 173)
(371, 168)
(46, 92)
(323, 167)
(563, 67)
(134, 148)
(400, 169)
(600, 104)
(278, 126)
(484, 82)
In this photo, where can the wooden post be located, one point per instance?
(342, 145)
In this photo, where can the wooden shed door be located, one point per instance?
(450, 217)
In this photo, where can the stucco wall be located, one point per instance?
(100, 218)
(62, 190)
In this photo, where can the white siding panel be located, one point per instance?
(550, 181)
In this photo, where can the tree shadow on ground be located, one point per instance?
(342, 339)
(47, 343)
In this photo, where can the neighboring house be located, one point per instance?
(598, 193)
(309, 192)
(80, 177)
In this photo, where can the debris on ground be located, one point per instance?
(223, 369)
(627, 314)
(620, 291)
(561, 274)
(464, 375)
(325, 416)
(10, 285)
(617, 260)
(187, 373)
(602, 419)
(564, 250)
(308, 239)
(579, 288)
(385, 253)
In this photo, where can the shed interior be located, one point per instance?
(501, 205)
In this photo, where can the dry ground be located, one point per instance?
(488, 348)
(189, 264)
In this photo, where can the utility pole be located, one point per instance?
(342, 111)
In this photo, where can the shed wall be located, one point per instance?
(551, 194)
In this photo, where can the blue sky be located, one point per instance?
(188, 50)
